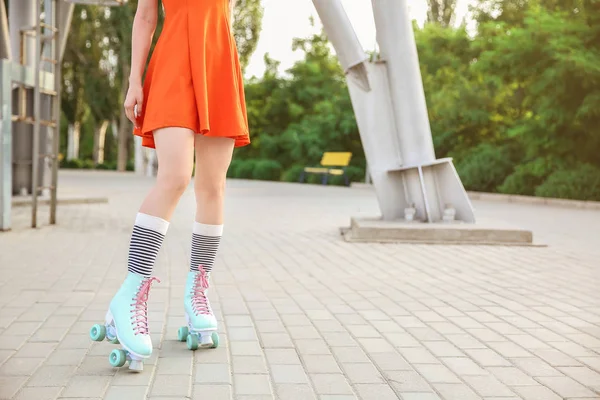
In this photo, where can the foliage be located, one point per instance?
(582, 182)
(245, 169)
(267, 170)
(516, 102)
(484, 167)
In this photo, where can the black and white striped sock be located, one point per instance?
(205, 243)
(146, 239)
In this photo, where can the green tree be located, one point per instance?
(248, 16)
(441, 12)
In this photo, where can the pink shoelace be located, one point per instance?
(140, 307)
(199, 299)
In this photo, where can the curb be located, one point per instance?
(26, 202)
(515, 198)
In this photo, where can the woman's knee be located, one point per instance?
(210, 188)
(175, 183)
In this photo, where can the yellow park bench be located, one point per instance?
(340, 160)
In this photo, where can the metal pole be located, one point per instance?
(36, 117)
(21, 14)
(398, 48)
(56, 44)
(4, 37)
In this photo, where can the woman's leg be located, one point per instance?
(213, 156)
(174, 148)
(127, 315)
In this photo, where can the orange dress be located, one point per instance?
(194, 78)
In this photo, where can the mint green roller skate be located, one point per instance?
(201, 329)
(127, 323)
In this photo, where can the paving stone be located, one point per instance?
(362, 373)
(171, 385)
(436, 373)
(246, 384)
(282, 356)
(443, 349)
(212, 373)
(350, 354)
(330, 384)
(583, 375)
(126, 392)
(390, 362)
(9, 386)
(511, 376)
(565, 386)
(52, 376)
(242, 333)
(488, 386)
(535, 367)
(38, 393)
(375, 392)
(321, 364)
(86, 386)
(407, 381)
(536, 393)
(420, 396)
(416, 355)
(233, 321)
(487, 358)
(463, 366)
(174, 366)
(312, 346)
(276, 340)
(288, 374)
(124, 377)
(294, 391)
(20, 366)
(245, 349)
(216, 392)
(456, 391)
(249, 365)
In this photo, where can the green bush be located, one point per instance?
(130, 165)
(233, 167)
(267, 170)
(71, 164)
(293, 173)
(581, 183)
(483, 168)
(245, 169)
(527, 177)
(88, 164)
(111, 165)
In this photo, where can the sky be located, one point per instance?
(286, 19)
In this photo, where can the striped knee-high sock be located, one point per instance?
(205, 243)
(146, 239)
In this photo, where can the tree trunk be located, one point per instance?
(73, 141)
(124, 127)
(99, 140)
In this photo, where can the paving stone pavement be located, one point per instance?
(304, 315)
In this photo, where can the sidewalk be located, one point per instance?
(303, 314)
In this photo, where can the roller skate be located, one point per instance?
(201, 329)
(127, 323)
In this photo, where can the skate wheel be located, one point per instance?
(215, 339)
(192, 342)
(117, 358)
(98, 333)
(182, 333)
(113, 341)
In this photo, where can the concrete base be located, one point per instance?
(25, 201)
(482, 233)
